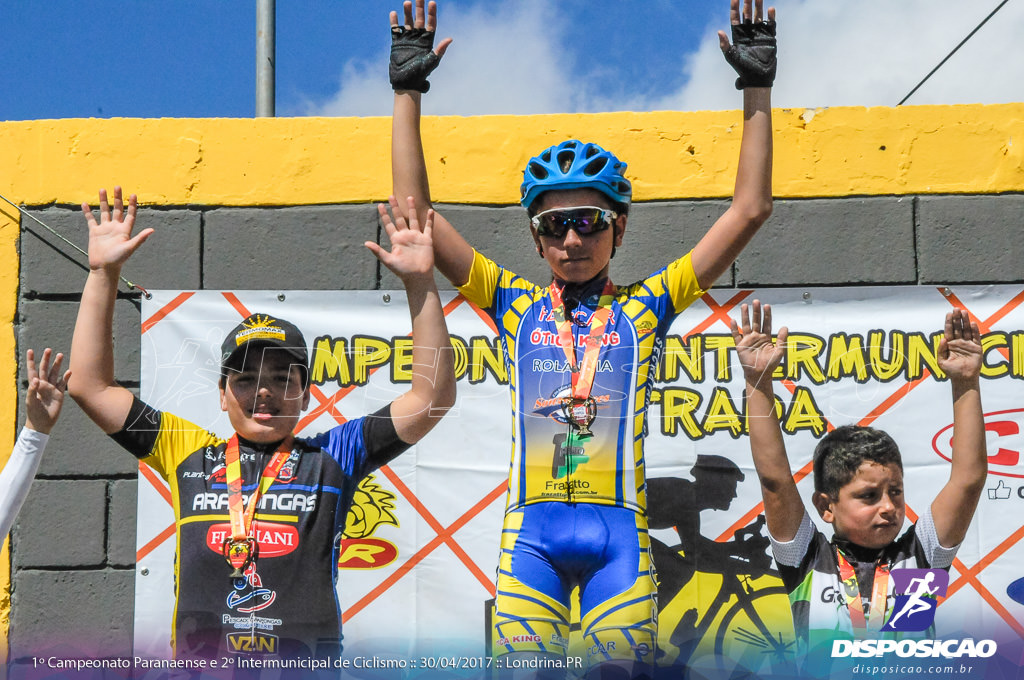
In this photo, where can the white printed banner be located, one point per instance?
(418, 563)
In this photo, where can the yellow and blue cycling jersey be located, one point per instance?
(547, 463)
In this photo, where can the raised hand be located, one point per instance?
(758, 355)
(45, 394)
(412, 248)
(413, 56)
(960, 354)
(110, 240)
(752, 53)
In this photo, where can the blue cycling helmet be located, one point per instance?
(575, 165)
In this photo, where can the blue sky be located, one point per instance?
(97, 58)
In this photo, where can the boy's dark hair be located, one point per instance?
(838, 456)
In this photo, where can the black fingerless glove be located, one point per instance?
(752, 54)
(412, 58)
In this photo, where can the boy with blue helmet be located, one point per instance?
(576, 508)
(575, 165)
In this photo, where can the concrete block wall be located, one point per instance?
(74, 543)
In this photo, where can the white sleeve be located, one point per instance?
(17, 475)
(938, 556)
(791, 553)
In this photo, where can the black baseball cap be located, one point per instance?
(263, 330)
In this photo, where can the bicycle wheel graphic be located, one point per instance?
(755, 636)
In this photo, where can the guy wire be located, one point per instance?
(47, 227)
(962, 42)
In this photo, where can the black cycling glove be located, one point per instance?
(752, 54)
(412, 58)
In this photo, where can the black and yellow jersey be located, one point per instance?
(286, 604)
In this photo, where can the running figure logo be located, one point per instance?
(916, 591)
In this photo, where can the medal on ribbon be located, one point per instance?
(580, 409)
(581, 413)
(879, 593)
(241, 549)
(240, 554)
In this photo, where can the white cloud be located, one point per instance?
(505, 59)
(873, 52)
(510, 58)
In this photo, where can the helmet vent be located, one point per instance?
(595, 166)
(565, 159)
(546, 156)
(591, 151)
(538, 171)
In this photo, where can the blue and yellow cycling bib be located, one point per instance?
(550, 462)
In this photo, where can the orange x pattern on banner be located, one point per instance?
(445, 535)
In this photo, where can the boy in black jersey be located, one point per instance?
(842, 589)
(259, 516)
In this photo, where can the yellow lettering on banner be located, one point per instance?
(804, 414)
(846, 358)
(802, 351)
(368, 352)
(688, 356)
(1017, 362)
(920, 352)
(401, 361)
(722, 414)
(677, 408)
(330, 361)
(999, 340)
(884, 369)
(460, 356)
(720, 345)
(360, 551)
(486, 358)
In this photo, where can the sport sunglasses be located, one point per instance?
(584, 220)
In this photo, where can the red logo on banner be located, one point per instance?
(274, 539)
(1005, 450)
(366, 553)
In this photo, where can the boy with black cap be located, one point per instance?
(263, 488)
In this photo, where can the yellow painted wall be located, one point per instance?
(302, 161)
(9, 226)
(297, 161)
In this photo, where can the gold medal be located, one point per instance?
(580, 413)
(240, 554)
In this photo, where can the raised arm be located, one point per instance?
(752, 54)
(43, 402)
(960, 358)
(412, 60)
(432, 391)
(759, 356)
(92, 382)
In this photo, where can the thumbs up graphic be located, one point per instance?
(1002, 491)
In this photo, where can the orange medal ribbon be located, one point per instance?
(582, 409)
(851, 592)
(241, 549)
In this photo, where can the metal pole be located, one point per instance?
(265, 15)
